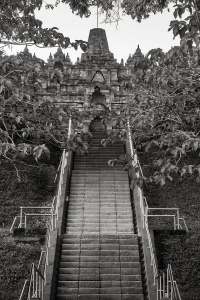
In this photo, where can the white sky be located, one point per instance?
(149, 34)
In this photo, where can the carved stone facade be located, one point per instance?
(95, 80)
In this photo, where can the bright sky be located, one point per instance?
(149, 34)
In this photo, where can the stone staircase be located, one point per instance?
(99, 256)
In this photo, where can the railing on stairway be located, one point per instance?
(27, 212)
(34, 287)
(166, 286)
(175, 215)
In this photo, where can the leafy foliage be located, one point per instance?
(163, 111)
(19, 25)
(29, 122)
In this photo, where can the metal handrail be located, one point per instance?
(22, 216)
(36, 284)
(13, 223)
(143, 205)
(176, 216)
(23, 289)
(166, 286)
(183, 219)
(37, 278)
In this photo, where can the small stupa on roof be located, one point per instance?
(59, 55)
(137, 56)
(26, 52)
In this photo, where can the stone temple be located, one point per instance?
(95, 80)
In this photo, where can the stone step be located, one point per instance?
(76, 174)
(103, 290)
(99, 188)
(77, 258)
(98, 181)
(94, 154)
(97, 277)
(103, 176)
(100, 271)
(105, 236)
(97, 144)
(95, 157)
(98, 159)
(112, 198)
(85, 217)
(99, 151)
(101, 210)
(100, 297)
(99, 185)
(99, 247)
(98, 284)
(93, 168)
(88, 210)
(81, 239)
(99, 253)
(101, 215)
(100, 264)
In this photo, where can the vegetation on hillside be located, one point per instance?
(36, 188)
(179, 250)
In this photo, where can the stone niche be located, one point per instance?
(114, 76)
(97, 98)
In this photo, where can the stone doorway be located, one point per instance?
(97, 125)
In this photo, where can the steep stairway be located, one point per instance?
(99, 257)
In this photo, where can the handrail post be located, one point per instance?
(33, 276)
(36, 283)
(146, 215)
(25, 220)
(178, 221)
(70, 128)
(130, 138)
(20, 224)
(167, 281)
(174, 222)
